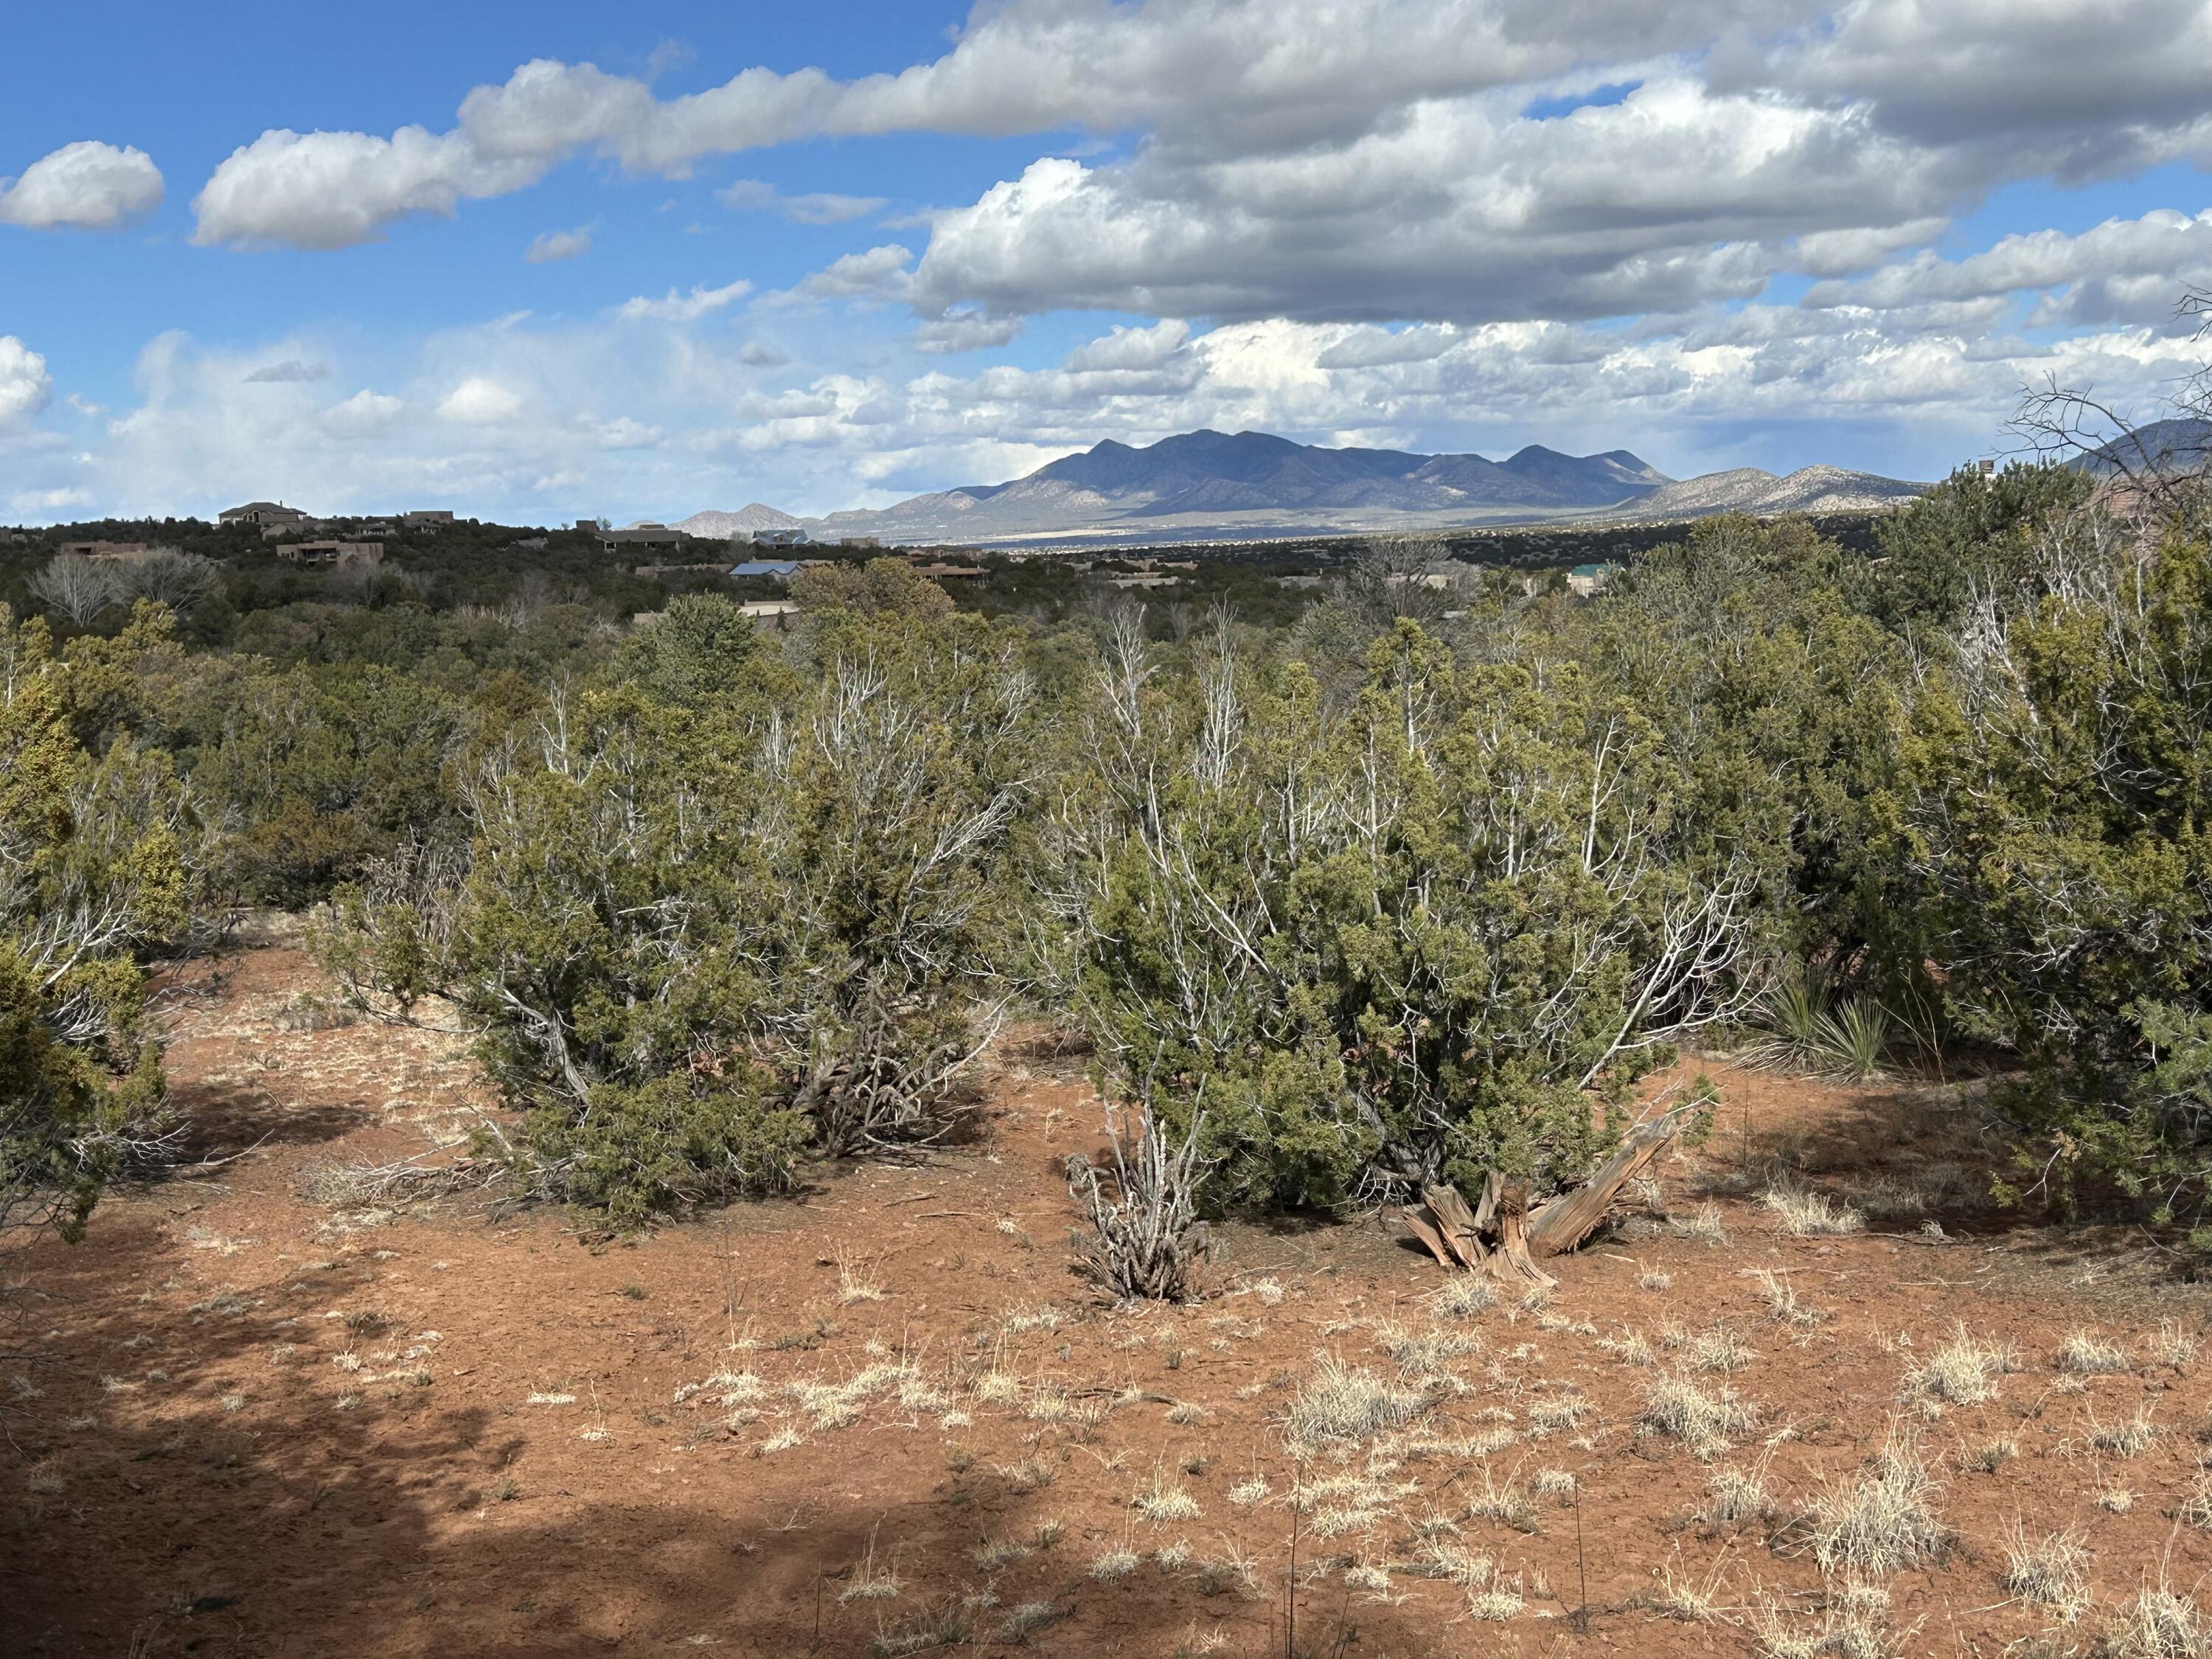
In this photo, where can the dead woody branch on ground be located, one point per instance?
(1502, 1237)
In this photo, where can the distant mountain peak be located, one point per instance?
(752, 520)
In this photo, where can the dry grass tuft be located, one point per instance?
(2051, 1571)
(852, 1283)
(2171, 1345)
(2126, 1437)
(2195, 1509)
(947, 1627)
(1993, 1454)
(1026, 1620)
(1506, 1504)
(1738, 1494)
(1116, 1561)
(872, 1581)
(1463, 1297)
(1164, 1500)
(2083, 1353)
(1719, 1349)
(2158, 1625)
(1349, 1402)
(1420, 1355)
(1962, 1371)
(1885, 1521)
(1811, 1215)
(1496, 1604)
(1701, 1421)
(1782, 1299)
(1693, 1600)
(1631, 1348)
(1702, 1224)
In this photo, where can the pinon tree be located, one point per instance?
(2060, 793)
(707, 920)
(1431, 940)
(100, 859)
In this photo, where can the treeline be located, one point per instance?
(1386, 889)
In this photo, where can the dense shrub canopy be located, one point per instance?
(1373, 887)
(101, 853)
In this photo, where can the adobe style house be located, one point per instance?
(425, 520)
(643, 535)
(266, 515)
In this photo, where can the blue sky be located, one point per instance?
(1764, 233)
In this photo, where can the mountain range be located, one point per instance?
(1201, 485)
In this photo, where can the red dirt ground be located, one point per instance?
(251, 1426)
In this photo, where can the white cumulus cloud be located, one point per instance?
(87, 185)
(25, 387)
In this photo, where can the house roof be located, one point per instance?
(765, 567)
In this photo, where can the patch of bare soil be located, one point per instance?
(1812, 1396)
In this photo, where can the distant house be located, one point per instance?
(1141, 581)
(266, 515)
(778, 539)
(643, 535)
(949, 572)
(425, 520)
(332, 552)
(779, 568)
(530, 543)
(1585, 580)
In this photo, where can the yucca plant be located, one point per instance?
(1848, 1042)
(1805, 1028)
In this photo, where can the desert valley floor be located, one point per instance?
(883, 1418)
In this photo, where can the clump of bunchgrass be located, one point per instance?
(1885, 1521)
(1962, 1371)
(2127, 1437)
(1164, 1498)
(1702, 1225)
(1993, 1454)
(2084, 1353)
(2159, 1624)
(1504, 1502)
(1115, 1561)
(2051, 1571)
(870, 1580)
(1340, 1402)
(1420, 1355)
(1782, 1299)
(2171, 1345)
(1738, 1494)
(1463, 1297)
(1806, 1214)
(1701, 1419)
(1719, 1349)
